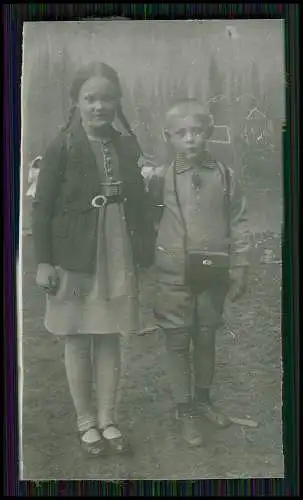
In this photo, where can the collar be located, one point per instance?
(109, 133)
(206, 162)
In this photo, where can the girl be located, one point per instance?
(89, 226)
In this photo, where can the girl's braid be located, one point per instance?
(70, 117)
(121, 116)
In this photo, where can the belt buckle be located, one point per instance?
(96, 199)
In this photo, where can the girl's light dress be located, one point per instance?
(108, 301)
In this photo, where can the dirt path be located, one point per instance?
(248, 382)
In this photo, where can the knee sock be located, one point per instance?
(202, 395)
(204, 355)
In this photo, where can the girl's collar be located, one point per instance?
(107, 133)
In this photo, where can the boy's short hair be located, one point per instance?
(190, 106)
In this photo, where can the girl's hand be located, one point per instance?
(47, 278)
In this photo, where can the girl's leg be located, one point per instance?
(107, 363)
(79, 375)
(107, 368)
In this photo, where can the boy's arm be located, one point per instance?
(240, 236)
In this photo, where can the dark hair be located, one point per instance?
(88, 71)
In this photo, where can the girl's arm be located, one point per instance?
(141, 214)
(48, 186)
(156, 193)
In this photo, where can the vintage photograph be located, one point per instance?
(150, 262)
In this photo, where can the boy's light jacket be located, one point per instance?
(204, 212)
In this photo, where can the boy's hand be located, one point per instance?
(239, 279)
(47, 278)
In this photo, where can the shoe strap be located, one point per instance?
(115, 434)
(86, 432)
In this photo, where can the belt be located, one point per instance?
(101, 200)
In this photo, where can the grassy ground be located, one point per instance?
(248, 383)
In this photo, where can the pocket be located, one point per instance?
(169, 261)
(72, 286)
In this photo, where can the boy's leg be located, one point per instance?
(174, 315)
(177, 342)
(208, 317)
(179, 371)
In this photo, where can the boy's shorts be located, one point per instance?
(176, 307)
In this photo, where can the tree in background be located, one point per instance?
(198, 89)
(223, 82)
(255, 84)
(160, 95)
(37, 104)
(139, 93)
(47, 99)
(274, 107)
(128, 104)
(62, 73)
(239, 86)
(144, 119)
(232, 88)
(35, 109)
(177, 89)
(45, 106)
(215, 80)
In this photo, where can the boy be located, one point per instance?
(199, 258)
